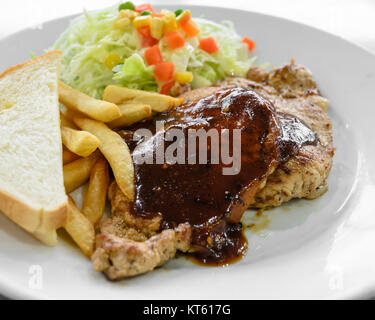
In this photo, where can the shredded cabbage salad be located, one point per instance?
(102, 48)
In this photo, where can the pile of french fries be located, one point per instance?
(90, 143)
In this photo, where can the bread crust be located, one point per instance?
(40, 223)
(30, 62)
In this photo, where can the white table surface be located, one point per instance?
(353, 20)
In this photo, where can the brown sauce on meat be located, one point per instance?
(294, 134)
(200, 194)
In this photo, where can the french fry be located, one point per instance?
(93, 108)
(69, 114)
(80, 229)
(158, 102)
(94, 201)
(66, 122)
(69, 156)
(131, 113)
(77, 172)
(115, 150)
(82, 143)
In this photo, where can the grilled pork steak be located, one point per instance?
(292, 90)
(198, 198)
(200, 193)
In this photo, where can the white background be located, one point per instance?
(351, 19)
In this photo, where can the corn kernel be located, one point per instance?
(186, 14)
(156, 28)
(131, 14)
(121, 23)
(142, 21)
(112, 60)
(183, 77)
(169, 21)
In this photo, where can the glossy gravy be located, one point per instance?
(200, 194)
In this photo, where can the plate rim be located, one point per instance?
(13, 292)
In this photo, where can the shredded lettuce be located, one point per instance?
(231, 59)
(92, 37)
(134, 73)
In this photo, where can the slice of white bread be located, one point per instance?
(32, 191)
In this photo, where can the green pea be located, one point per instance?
(145, 13)
(126, 5)
(178, 12)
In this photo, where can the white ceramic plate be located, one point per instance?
(312, 249)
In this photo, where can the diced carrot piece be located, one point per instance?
(146, 39)
(208, 44)
(174, 39)
(190, 28)
(148, 42)
(153, 55)
(166, 87)
(184, 17)
(250, 43)
(164, 71)
(144, 31)
(157, 15)
(144, 7)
